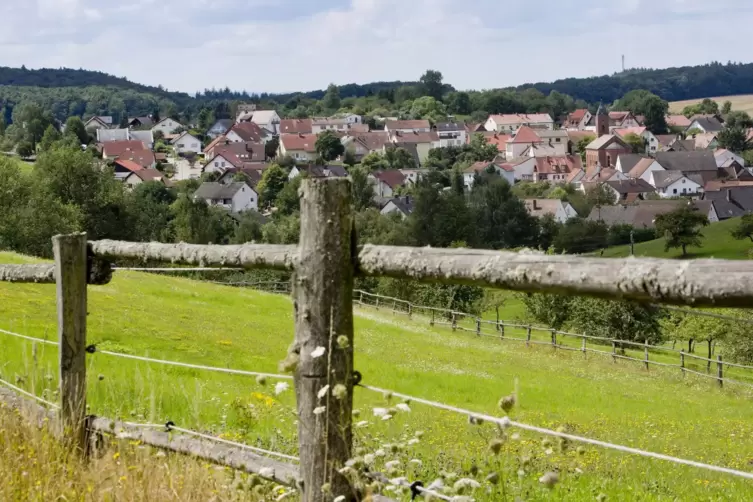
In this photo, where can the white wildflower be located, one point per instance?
(267, 472)
(549, 479)
(515, 436)
(403, 407)
(413, 441)
(463, 484)
(322, 392)
(339, 498)
(548, 451)
(386, 417)
(392, 464)
(319, 410)
(281, 387)
(340, 391)
(317, 352)
(399, 481)
(362, 424)
(369, 459)
(380, 453)
(521, 473)
(416, 462)
(380, 412)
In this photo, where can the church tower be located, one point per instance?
(602, 121)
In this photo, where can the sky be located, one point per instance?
(300, 45)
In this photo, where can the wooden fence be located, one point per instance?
(324, 265)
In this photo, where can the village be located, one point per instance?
(647, 174)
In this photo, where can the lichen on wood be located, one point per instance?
(39, 273)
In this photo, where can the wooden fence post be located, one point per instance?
(554, 339)
(454, 322)
(410, 310)
(360, 297)
(377, 303)
(719, 371)
(501, 328)
(71, 277)
(645, 353)
(323, 304)
(432, 317)
(682, 361)
(394, 307)
(478, 327)
(614, 352)
(528, 336)
(583, 345)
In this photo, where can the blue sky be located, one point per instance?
(289, 45)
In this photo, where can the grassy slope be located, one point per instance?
(717, 243)
(742, 103)
(203, 323)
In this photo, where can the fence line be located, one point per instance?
(30, 338)
(232, 443)
(29, 394)
(506, 422)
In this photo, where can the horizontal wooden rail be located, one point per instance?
(283, 257)
(40, 273)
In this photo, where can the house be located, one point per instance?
(398, 205)
(407, 126)
(386, 182)
(423, 141)
(575, 178)
(235, 197)
(678, 121)
(250, 173)
(451, 134)
(268, 120)
(319, 125)
(724, 157)
(605, 150)
(649, 140)
(705, 123)
(510, 123)
(557, 139)
(235, 155)
(674, 183)
(643, 213)
(244, 112)
(136, 122)
(556, 169)
(614, 120)
(145, 158)
(701, 163)
(145, 137)
(627, 161)
(98, 122)
(219, 128)
(413, 176)
(330, 171)
(135, 178)
(494, 138)
(296, 126)
(523, 138)
(705, 141)
(504, 171)
(104, 135)
(362, 144)
(301, 147)
(597, 175)
(247, 132)
(731, 202)
(167, 126)
(524, 167)
(644, 170)
(186, 143)
(630, 190)
(123, 168)
(576, 121)
(560, 210)
(113, 149)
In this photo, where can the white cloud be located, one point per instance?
(286, 45)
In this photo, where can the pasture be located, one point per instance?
(195, 322)
(743, 103)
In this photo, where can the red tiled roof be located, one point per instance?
(129, 164)
(577, 115)
(630, 130)
(248, 131)
(407, 124)
(374, 140)
(416, 137)
(246, 152)
(678, 121)
(216, 141)
(143, 157)
(564, 164)
(149, 175)
(295, 126)
(117, 148)
(304, 142)
(526, 135)
(392, 179)
(496, 139)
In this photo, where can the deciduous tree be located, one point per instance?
(328, 146)
(681, 228)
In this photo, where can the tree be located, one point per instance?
(328, 146)
(549, 227)
(206, 119)
(459, 103)
(75, 126)
(331, 99)
(361, 188)
(578, 235)
(431, 84)
(479, 150)
(734, 139)
(621, 320)
(705, 107)
(249, 228)
(374, 161)
(288, 201)
(25, 149)
(51, 135)
(427, 107)
(272, 182)
(744, 228)
(398, 158)
(635, 142)
(349, 158)
(148, 208)
(580, 147)
(552, 310)
(681, 228)
(501, 220)
(738, 119)
(655, 114)
(726, 107)
(271, 147)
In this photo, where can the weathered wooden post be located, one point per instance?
(583, 345)
(645, 353)
(377, 303)
(360, 297)
(501, 327)
(614, 352)
(528, 336)
(394, 307)
(719, 371)
(454, 322)
(410, 310)
(71, 277)
(682, 361)
(478, 327)
(554, 339)
(432, 317)
(323, 303)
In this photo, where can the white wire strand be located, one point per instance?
(506, 422)
(194, 366)
(30, 338)
(175, 269)
(29, 394)
(424, 491)
(233, 443)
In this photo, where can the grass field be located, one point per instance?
(203, 323)
(743, 103)
(717, 243)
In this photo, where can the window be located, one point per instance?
(227, 201)
(674, 190)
